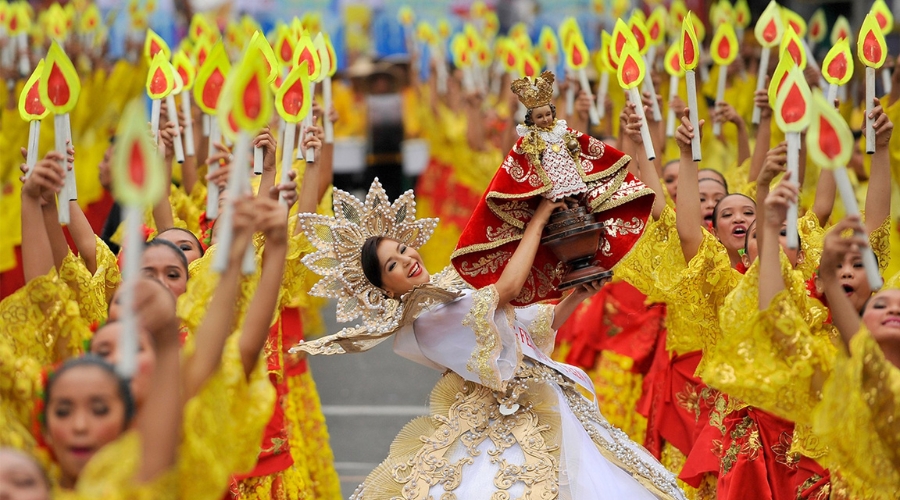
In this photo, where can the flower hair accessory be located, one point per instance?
(339, 242)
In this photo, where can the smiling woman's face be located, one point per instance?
(401, 267)
(882, 317)
(734, 215)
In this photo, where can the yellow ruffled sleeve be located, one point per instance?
(641, 267)
(771, 358)
(880, 241)
(19, 389)
(812, 238)
(223, 426)
(110, 475)
(42, 321)
(92, 291)
(695, 295)
(857, 419)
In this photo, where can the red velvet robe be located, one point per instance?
(498, 222)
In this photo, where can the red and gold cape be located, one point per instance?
(619, 200)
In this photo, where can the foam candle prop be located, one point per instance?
(173, 115)
(837, 68)
(247, 108)
(304, 51)
(59, 88)
(741, 18)
(818, 28)
(689, 54)
(577, 57)
(406, 18)
(724, 49)
(329, 57)
(768, 31)
(138, 183)
(201, 51)
(550, 48)
(872, 52)
(656, 33)
(32, 111)
(259, 44)
(641, 38)
(830, 144)
(160, 83)
(792, 116)
(631, 72)
(185, 70)
(567, 29)
(293, 102)
(673, 67)
(207, 89)
(19, 25)
(885, 19)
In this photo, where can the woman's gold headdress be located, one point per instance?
(534, 92)
(338, 260)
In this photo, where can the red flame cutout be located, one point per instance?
(158, 82)
(653, 32)
(511, 59)
(57, 87)
(795, 51)
(293, 98)
(307, 56)
(689, 51)
(231, 123)
(287, 52)
(794, 108)
(529, 69)
(829, 142)
(182, 73)
(882, 21)
(154, 48)
(577, 56)
(630, 70)
(252, 98)
(675, 62)
(837, 68)
(201, 56)
(814, 30)
(620, 43)
(33, 104)
(724, 48)
(639, 37)
(137, 166)
(770, 33)
(213, 88)
(871, 47)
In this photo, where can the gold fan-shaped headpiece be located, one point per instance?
(338, 259)
(534, 92)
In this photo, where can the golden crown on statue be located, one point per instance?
(534, 92)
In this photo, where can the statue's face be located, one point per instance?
(542, 116)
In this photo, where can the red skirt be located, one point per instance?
(671, 401)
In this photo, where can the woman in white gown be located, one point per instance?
(506, 421)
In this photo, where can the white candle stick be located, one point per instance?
(586, 86)
(326, 97)
(651, 89)
(793, 166)
(704, 71)
(34, 137)
(204, 124)
(870, 105)
(811, 61)
(212, 190)
(832, 92)
(720, 96)
(670, 115)
(24, 66)
(70, 173)
(155, 109)
(691, 79)
(257, 160)
(634, 95)
(188, 124)
(650, 60)
(59, 139)
(848, 196)
(570, 96)
(311, 120)
(131, 267)
(299, 134)
(886, 80)
(761, 79)
(440, 70)
(287, 154)
(237, 186)
(173, 117)
(602, 90)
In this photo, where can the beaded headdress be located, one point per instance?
(338, 259)
(534, 92)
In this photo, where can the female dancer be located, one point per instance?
(506, 419)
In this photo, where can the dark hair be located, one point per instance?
(185, 231)
(91, 360)
(156, 242)
(369, 258)
(715, 214)
(721, 178)
(747, 236)
(529, 122)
